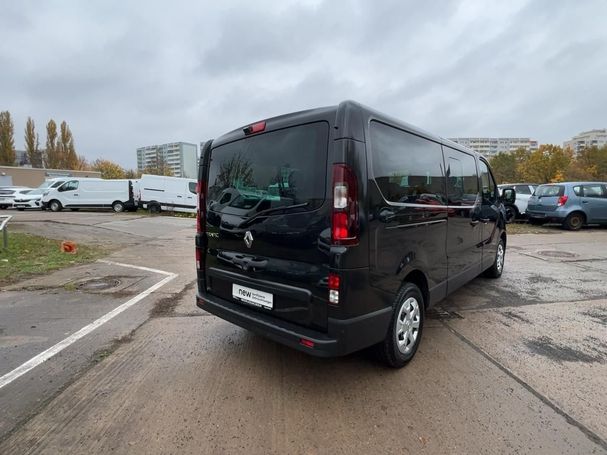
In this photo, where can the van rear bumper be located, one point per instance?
(342, 337)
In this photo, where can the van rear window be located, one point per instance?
(550, 191)
(275, 169)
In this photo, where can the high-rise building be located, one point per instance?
(587, 139)
(181, 157)
(490, 146)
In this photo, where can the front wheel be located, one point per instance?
(495, 271)
(55, 206)
(405, 330)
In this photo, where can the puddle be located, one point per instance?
(560, 353)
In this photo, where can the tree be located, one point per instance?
(589, 164)
(65, 146)
(504, 167)
(53, 158)
(32, 144)
(132, 174)
(548, 164)
(108, 169)
(7, 139)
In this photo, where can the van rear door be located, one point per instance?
(267, 223)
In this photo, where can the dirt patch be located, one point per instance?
(166, 306)
(541, 279)
(560, 353)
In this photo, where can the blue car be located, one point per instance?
(573, 204)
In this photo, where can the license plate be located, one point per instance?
(253, 296)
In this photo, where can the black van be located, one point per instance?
(335, 229)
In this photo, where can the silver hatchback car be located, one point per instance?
(573, 204)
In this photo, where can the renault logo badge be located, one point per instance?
(248, 239)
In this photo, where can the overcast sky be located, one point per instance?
(128, 74)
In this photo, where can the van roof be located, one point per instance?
(348, 119)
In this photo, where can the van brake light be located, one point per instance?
(344, 218)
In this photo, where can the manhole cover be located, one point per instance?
(557, 254)
(99, 284)
(442, 314)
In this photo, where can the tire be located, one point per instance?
(407, 321)
(75, 210)
(496, 269)
(536, 221)
(154, 208)
(574, 221)
(55, 206)
(20, 209)
(118, 207)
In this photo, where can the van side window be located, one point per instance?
(69, 186)
(522, 189)
(192, 187)
(462, 181)
(488, 184)
(407, 168)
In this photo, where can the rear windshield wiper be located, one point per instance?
(276, 209)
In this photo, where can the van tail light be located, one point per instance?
(201, 213)
(344, 219)
(562, 201)
(333, 284)
(198, 255)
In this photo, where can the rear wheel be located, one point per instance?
(511, 213)
(405, 330)
(55, 206)
(495, 271)
(154, 208)
(574, 221)
(118, 207)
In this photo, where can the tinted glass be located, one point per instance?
(192, 187)
(407, 168)
(593, 190)
(276, 169)
(550, 191)
(488, 190)
(577, 190)
(68, 186)
(522, 189)
(462, 179)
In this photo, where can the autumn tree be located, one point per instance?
(132, 174)
(589, 164)
(108, 169)
(65, 147)
(32, 144)
(549, 163)
(52, 155)
(7, 139)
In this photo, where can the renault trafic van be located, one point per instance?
(343, 226)
(90, 193)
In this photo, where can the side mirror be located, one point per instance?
(508, 196)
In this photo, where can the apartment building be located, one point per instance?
(490, 146)
(587, 139)
(181, 157)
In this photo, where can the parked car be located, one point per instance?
(77, 193)
(523, 193)
(342, 229)
(157, 193)
(30, 200)
(573, 204)
(8, 194)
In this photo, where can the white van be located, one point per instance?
(157, 193)
(80, 193)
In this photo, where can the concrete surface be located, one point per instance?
(515, 365)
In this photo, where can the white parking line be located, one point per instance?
(84, 331)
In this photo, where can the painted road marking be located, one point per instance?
(84, 331)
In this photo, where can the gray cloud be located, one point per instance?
(130, 74)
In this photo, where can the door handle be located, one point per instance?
(75, 194)
(584, 202)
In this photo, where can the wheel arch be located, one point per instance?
(418, 278)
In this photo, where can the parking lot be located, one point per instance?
(516, 365)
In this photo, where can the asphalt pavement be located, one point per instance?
(516, 365)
